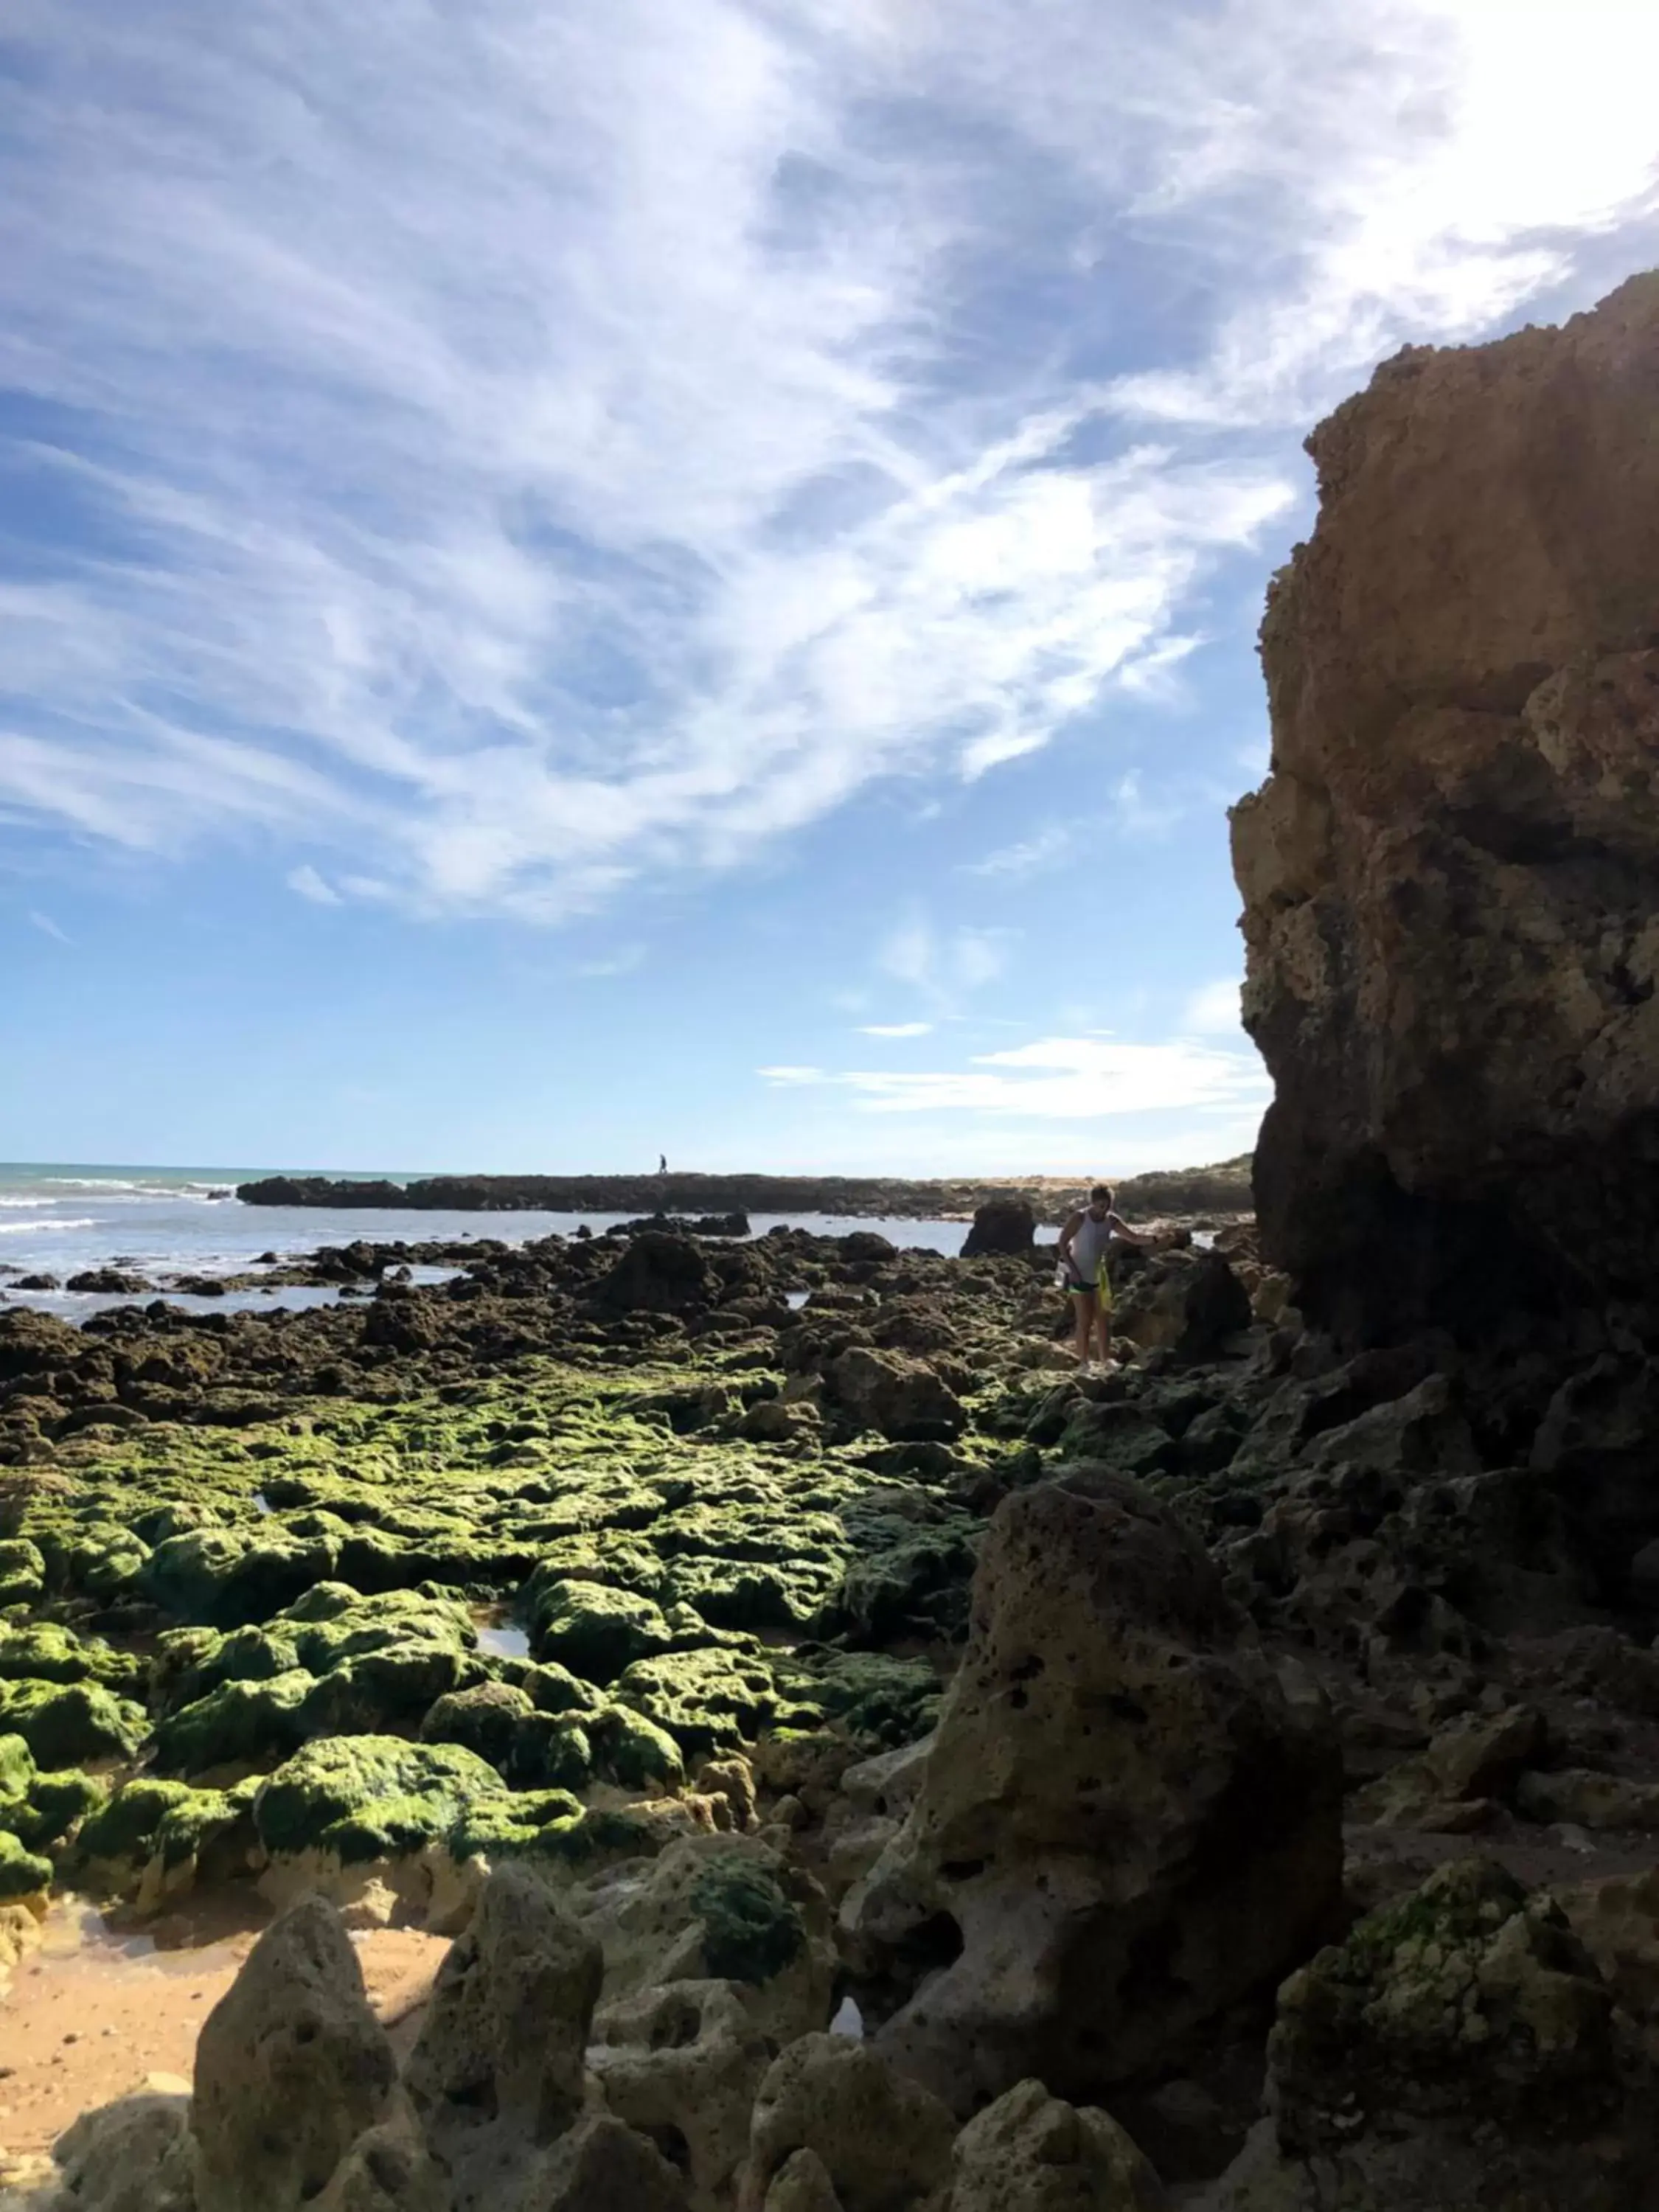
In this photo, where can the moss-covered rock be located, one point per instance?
(750, 1929)
(367, 1797)
(22, 1872)
(632, 1751)
(41, 1809)
(708, 1700)
(147, 1819)
(878, 1701)
(595, 1630)
(22, 1572)
(549, 1751)
(225, 1577)
(44, 1651)
(554, 1689)
(237, 1724)
(482, 1719)
(66, 1725)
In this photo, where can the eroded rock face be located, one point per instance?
(498, 2071)
(1459, 2048)
(1128, 1818)
(1451, 876)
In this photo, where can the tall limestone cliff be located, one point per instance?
(1452, 875)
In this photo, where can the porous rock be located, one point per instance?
(1128, 1818)
(602, 2165)
(1029, 2152)
(884, 2140)
(497, 2073)
(1460, 2048)
(681, 2063)
(291, 2068)
(1452, 875)
(717, 1907)
(136, 2155)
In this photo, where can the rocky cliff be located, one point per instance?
(1452, 875)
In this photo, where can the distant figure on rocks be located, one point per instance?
(1083, 1247)
(662, 1164)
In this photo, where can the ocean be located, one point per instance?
(61, 1220)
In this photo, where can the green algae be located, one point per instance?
(483, 1719)
(22, 1872)
(750, 1929)
(149, 1818)
(22, 1572)
(368, 1797)
(65, 1724)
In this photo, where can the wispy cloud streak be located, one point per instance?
(530, 448)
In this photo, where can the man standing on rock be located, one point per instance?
(1083, 1247)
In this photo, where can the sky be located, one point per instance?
(577, 583)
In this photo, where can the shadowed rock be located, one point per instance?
(1128, 1818)
(291, 2068)
(497, 2073)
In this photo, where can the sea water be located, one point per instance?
(164, 1222)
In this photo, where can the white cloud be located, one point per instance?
(792, 1077)
(1085, 1079)
(896, 1028)
(1213, 1011)
(623, 962)
(47, 927)
(309, 886)
(636, 472)
(944, 966)
(1026, 857)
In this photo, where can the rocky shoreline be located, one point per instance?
(1224, 1188)
(922, 1778)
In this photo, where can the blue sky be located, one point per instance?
(576, 582)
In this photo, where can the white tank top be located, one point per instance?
(1089, 1248)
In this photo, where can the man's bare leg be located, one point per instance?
(1083, 1308)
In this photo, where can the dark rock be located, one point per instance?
(1001, 1226)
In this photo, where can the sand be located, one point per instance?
(93, 2015)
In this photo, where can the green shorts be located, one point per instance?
(1101, 1290)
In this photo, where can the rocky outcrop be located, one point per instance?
(1452, 875)
(498, 2072)
(1223, 1188)
(1460, 2048)
(291, 2068)
(1128, 1818)
(1001, 1226)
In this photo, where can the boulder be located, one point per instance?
(1128, 1821)
(901, 1398)
(802, 2184)
(603, 2166)
(717, 1907)
(1451, 874)
(1187, 1303)
(885, 2141)
(1029, 2152)
(660, 1272)
(1460, 2048)
(389, 2169)
(291, 2068)
(1001, 1226)
(136, 2155)
(497, 2073)
(681, 2061)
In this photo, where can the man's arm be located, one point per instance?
(1119, 1227)
(1064, 1247)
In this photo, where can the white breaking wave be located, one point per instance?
(29, 1201)
(23, 1228)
